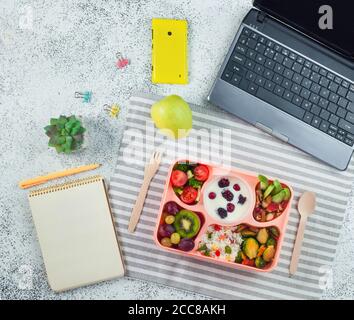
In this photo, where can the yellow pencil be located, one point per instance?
(54, 175)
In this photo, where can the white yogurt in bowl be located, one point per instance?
(227, 199)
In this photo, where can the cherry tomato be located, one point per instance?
(201, 172)
(178, 178)
(189, 195)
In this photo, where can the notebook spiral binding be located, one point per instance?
(65, 186)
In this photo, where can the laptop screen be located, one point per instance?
(328, 21)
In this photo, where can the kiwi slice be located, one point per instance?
(187, 223)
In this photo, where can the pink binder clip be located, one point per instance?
(121, 62)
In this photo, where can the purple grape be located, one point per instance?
(170, 228)
(162, 232)
(186, 244)
(165, 230)
(171, 207)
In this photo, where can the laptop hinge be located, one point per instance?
(261, 16)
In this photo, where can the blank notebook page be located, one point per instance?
(76, 233)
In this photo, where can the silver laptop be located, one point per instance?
(290, 72)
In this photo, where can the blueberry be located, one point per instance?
(222, 213)
(241, 199)
(223, 183)
(228, 195)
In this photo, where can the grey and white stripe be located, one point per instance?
(252, 150)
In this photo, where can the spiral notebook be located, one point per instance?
(76, 234)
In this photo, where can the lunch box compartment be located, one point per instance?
(188, 216)
(259, 243)
(271, 209)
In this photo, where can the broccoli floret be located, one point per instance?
(182, 166)
(194, 183)
(203, 247)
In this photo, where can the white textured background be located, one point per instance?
(70, 46)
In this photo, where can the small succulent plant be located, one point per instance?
(66, 134)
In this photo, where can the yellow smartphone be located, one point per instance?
(169, 51)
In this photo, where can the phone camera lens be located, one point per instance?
(169, 33)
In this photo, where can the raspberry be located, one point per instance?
(241, 199)
(223, 183)
(222, 213)
(230, 207)
(237, 187)
(228, 195)
(212, 195)
(217, 227)
(217, 253)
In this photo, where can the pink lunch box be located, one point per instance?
(250, 182)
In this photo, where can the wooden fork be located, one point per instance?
(149, 172)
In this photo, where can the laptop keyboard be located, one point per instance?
(293, 84)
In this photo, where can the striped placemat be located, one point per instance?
(252, 150)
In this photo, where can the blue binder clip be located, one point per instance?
(85, 96)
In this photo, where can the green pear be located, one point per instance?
(173, 116)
